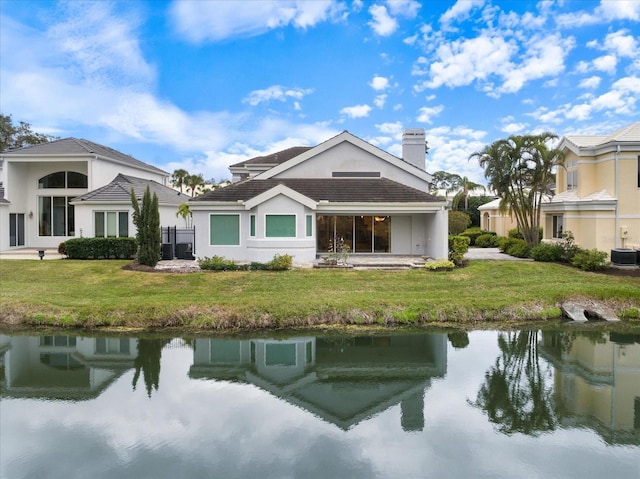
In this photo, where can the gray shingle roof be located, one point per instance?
(119, 190)
(75, 146)
(274, 158)
(340, 190)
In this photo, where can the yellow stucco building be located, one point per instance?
(598, 192)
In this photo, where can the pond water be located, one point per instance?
(481, 404)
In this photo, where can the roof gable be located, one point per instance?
(343, 137)
(589, 143)
(119, 191)
(80, 147)
(281, 189)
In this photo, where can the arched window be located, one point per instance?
(63, 179)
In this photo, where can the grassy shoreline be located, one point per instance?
(102, 295)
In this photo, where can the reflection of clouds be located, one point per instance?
(203, 428)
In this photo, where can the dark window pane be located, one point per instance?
(44, 216)
(76, 180)
(54, 180)
(99, 224)
(123, 226)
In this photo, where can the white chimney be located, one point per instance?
(413, 146)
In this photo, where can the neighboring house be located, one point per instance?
(70, 188)
(598, 192)
(492, 219)
(107, 211)
(303, 201)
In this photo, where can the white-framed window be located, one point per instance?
(111, 224)
(56, 216)
(572, 175)
(280, 226)
(224, 230)
(558, 226)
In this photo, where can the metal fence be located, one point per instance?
(178, 243)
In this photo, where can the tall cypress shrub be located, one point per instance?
(146, 217)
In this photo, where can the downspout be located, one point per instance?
(617, 186)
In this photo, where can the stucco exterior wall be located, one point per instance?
(346, 157)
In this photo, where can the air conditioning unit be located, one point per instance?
(624, 232)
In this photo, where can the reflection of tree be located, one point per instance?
(459, 339)
(148, 361)
(515, 395)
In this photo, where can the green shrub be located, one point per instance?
(101, 248)
(514, 247)
(458, 222)
(458, 246)
(568, 246)
(218, 263)
(280, 262)
(473, 234)
(590, 260)
(519, 249)
(439, 265)
(487, 240)
(546, 252)
(515, 233)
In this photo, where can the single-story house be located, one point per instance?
(493, 219)
(306, 201)
(598, 192)
(72, 187)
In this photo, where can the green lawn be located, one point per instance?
(100, 293)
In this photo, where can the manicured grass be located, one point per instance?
(94, 294)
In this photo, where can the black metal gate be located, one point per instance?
(178, 243)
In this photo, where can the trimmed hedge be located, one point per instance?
(100, 248)
(487, 240)
(218, 263)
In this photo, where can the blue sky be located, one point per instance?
(204, 84)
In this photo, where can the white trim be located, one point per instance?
(590, 217)
(239, 215)
(280, 238)
(280, 190)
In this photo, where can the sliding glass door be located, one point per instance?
(362, 234)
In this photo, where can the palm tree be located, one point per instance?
(193, 182)
(463, 188)
(520, 169)
(179, 178)
(185, 213)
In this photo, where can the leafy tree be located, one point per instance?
(147, 221)
(463, 188)
(472, 210)
(521, 170)
(458, 222)
(517, 394)
(18, 136)
(178, 178)
(193, 182)
(443, 180)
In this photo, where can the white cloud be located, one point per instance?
(544, 57)
(276, 92)
(513, 128)
(621, 44)
(356, 111)
(393, 129)
(460, 11)
(199, 21)
(427, 114)
(461, 62)
(379, 83)
(380, 100)
(382, 23)
(606, 63)
(403, 8)
(605, 12)
(590, 83)
(450, 148)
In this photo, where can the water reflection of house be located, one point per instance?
(597, 382)
(342, 381)
(62, 367)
